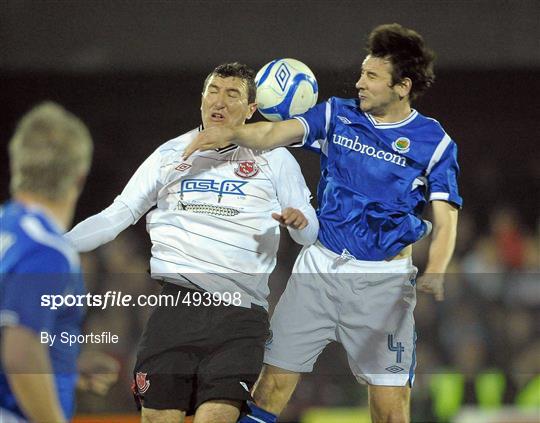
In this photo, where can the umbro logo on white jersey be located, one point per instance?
(344, 120)
(182, 167)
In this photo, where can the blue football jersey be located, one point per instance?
(377, 177)
(35, 260)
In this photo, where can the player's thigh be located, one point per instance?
(305, 318)
(234, 363)
(389, 404)
(218, 411)
(169, 355)
(377, 328)
(149, 415)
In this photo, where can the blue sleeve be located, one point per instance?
(443, 178)
(316, 122)
(44, 272)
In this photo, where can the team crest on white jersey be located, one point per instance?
(182, 167)
(402, 145)
(246, 169)
(142, 383)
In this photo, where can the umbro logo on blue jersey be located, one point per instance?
(344, 120)
(368, 150)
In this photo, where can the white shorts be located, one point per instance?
(366, 306)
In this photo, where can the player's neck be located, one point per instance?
(394, 113)
(60, 211)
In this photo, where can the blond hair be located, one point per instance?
(50, 152)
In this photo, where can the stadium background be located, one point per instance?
(134, 70)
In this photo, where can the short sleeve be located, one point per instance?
(46, 272)
(316, 122)
(443, 177)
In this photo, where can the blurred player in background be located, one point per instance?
(213, 237)
(50, 154)
(381, 161)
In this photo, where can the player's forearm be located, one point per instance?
(267, 135)
(309, 234)
(254, 135)
(100, 228)
(442, 247)
(28, 369)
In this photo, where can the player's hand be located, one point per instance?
(209, 139)
(98, 372)
(432, 283)
(291, 217)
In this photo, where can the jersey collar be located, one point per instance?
(221, 150)
(391, 125)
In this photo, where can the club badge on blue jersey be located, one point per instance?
(401, 145)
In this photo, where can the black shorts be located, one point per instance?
(189, 355)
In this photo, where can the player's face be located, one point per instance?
(225, 102)
(375, 91)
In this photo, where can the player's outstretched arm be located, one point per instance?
(100, 228)
(138, 196)
(28, 368)
(445, 217)
(259, 136)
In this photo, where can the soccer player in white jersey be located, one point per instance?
(212, 232)
(381, 161)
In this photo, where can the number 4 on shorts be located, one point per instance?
(397, 348)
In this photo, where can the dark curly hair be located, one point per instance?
(406, 51)
(238, 70)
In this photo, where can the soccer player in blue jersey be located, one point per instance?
(381, 161)
(50, 154)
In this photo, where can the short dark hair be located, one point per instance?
(238, 70)
(406, 51)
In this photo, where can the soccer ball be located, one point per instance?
(285, 87)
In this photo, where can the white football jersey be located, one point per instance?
(212, 224)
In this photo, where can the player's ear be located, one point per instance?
(251, 110)
(404, 87)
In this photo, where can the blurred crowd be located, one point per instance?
(478, 347)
